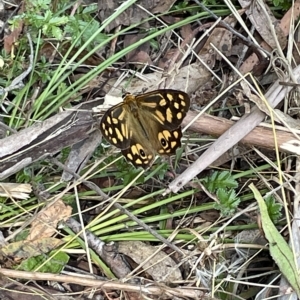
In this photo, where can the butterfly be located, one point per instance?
(145, 125)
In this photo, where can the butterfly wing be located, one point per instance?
(115, 126)
(167, 107)
(162, 113)
(140, 152)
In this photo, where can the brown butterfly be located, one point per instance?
(145, 125)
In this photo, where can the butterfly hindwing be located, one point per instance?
(169, 141)
(139, 155)
(166, 143)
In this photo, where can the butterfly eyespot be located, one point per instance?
(138, 150)
(142, 153)
(163, 142)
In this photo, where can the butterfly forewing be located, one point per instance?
(168, 107)
(114, 126)
(145, 125)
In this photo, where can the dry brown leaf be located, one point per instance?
(188, 79)
(239, 96)
(161, 267)
(46, 220)
(253, 59)
(165, 61)
(140, 54)
(262, 22)
(186, 31)
(221, 38)
(257, 100)
(10, 39)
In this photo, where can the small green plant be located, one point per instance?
(84, 23)
(47, 22)
(219, 180)
(285, 4)
(128, 173)
(223, 185)
(228, 201)
(274, 209)
(39, 15)
(55, 265)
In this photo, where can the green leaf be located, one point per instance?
(57, 32)
(131, 175)
(162, 171)
(90, 9)
(40, 4)
(274, 209)
(59, 21)
(48, 16)
(279, 249)
(54, 265)
(219, 180)
(228, 202)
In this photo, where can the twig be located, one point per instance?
(193, 293)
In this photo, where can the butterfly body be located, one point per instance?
(145, 125)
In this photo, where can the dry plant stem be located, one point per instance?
(42, 140)
(232, 136)
(11, 288)
(108, 285)
(121, 208)
(80, 153)
(259, 136)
